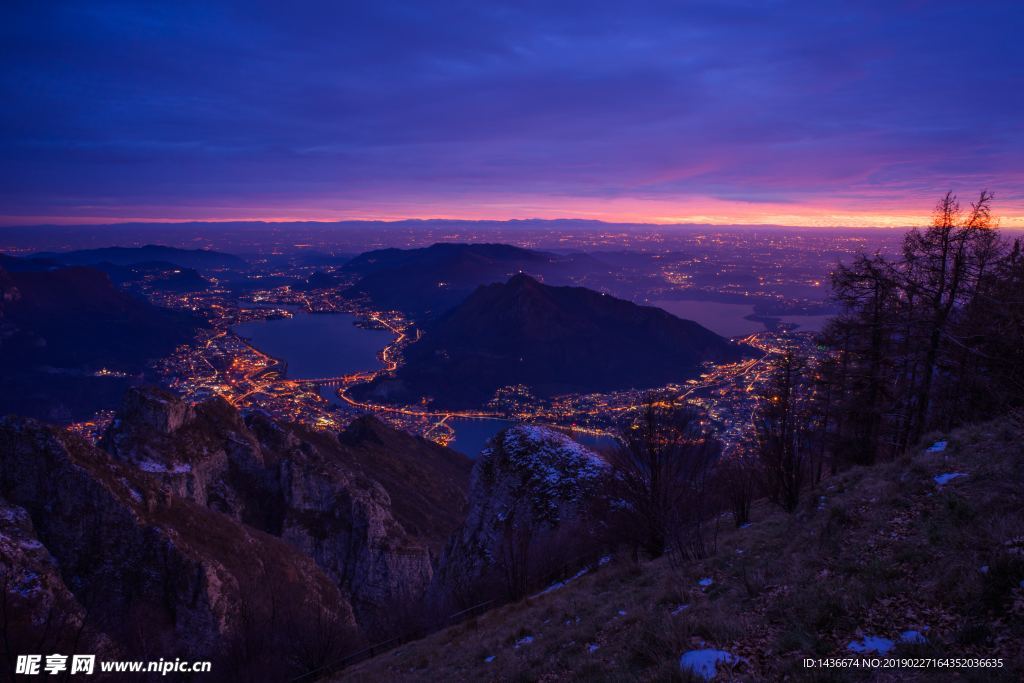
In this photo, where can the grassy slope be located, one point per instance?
(885, 551)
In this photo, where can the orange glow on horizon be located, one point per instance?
(617, 210)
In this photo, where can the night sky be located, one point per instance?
(809, 113)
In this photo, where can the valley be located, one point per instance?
(305, 349)
(437, 460)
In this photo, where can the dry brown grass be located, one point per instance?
(885, 551)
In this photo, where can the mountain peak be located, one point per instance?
(553, 339)
(429, 281)
(522, 281)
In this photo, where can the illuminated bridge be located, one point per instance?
(336, 381)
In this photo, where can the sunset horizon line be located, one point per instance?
(1012, 222)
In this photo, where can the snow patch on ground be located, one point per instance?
(157, 468)
(13, 514)
(525, 640)
(705, 662)
(943, 479)
(593, 647)
(29, 585)
(871, 644)
(705, 582)
(136, 496)
(913, 638)
(936, 447)
(582, 572)
(561, 584)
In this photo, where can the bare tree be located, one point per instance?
(514, 558)
(924, 341)
(737, 478)
(661, 470)
(785, 431)
(941, 265)
(867, 290)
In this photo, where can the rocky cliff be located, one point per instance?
(40, 612)
(534, 502)
(372, 506)
(89, 541)
(195, 531)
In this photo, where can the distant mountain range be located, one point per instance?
(198, 259)
(157, 275)
(552, 339)
(427, 282)
(58, 327)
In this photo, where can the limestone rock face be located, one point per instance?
(191, 450)
(154, 568)
(528, 487)
(155, 410)
(372, 506)
(39, 610)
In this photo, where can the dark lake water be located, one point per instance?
(317, 344)
(472, 435)
(729, 320)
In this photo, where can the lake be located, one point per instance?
(721, 318)
(729, 320)
(317, 344)
(472, 434)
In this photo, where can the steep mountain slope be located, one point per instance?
(194, 532)
(58, 327)
(534, 492)
(429, 281)
(900, 559)
(373, 506)
(552, 339)
(144, 571)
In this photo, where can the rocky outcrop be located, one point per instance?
(534, 500)
(40, 614)
(155, 410)
(158, 572)
(191, 450)
(372, 506)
